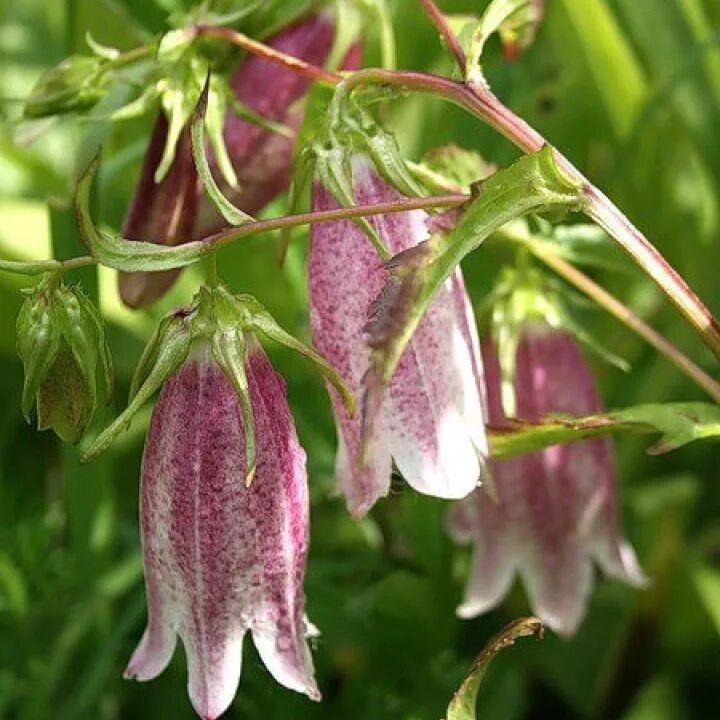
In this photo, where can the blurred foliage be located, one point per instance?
(630, 90)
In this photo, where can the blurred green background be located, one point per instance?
(630, 90)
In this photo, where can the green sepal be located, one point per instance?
(170, 355)
(38, 343)
(182, 83)
(77, 84)
(61, 341)
(532, 184)
(230, 212)
(65, 401)
(102, 51)
(252, 116)
(221, 311)
(173, 45)
(516, 22)
(262, 321)
(383, 150)
(214, 124)
(229, 348)
(80, 332)
(137, 107)
(92, 314)
(333, 170)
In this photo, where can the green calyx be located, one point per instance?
(61, 341)
(226, 323)
(525, 296)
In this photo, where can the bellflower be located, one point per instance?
(222, 558)
(431, 420)
(556, 510)
(175, 209)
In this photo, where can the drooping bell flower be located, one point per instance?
(431, 420)
(556, 510)
(176, 209)
(221, 558)
(223, 501)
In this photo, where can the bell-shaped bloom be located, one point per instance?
(431, 420)
(556, 510)
(176, 209)
(222, 558)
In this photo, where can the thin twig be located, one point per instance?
(440, 22)
(344, 213)
(625, 315)
(313, 72)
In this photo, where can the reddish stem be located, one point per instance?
(308, 70)
(437, 18)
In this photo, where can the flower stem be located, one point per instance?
(437, 18)
(624, 314)
(212, 277)
(77, 262)
(481, 101)
(344, 213)
(313, 72)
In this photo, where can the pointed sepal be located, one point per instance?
(170, 351)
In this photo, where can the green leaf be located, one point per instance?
(462, 706)
(677, 423)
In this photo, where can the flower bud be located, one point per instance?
(61, 341)
(75, 85)
(162, 212)
(431, 419)
(556, 510)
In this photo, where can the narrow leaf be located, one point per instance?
(677, 423)
(462, 706)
